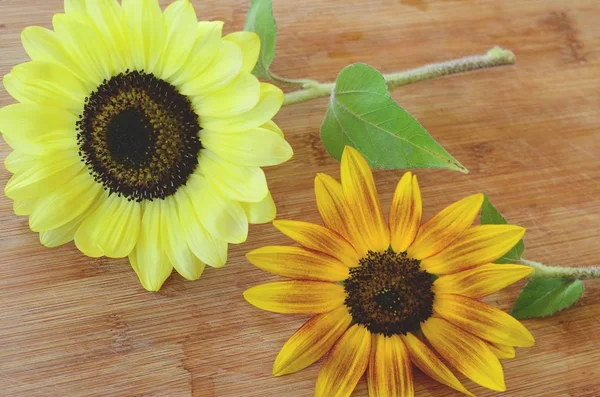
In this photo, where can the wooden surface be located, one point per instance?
(74, 326)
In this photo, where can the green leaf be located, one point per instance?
(362, 114)
(542, 297)
(261, 21)
(491, 216)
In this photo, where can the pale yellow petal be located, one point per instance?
(311, 341)
(441, 230)
(345, 364)
(481, 281)
(239, 96)
(502, 351)
(145, 29)
(428, 362)
(108, 17)
(309, 297)
(465, 352)
(390, 371)
(249, 43)
(24, 207)
(482, 320)
(263, 211)
(298, 263)
(336, 213)
(476, 246)
(405, 213)
(361, 195)
(258, 147)
(239, 183)
(319, 238)
(18, 162)
(271, 126)
(65, 233)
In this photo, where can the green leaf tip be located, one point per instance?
(261, 21)
(543, 297)
(491, 216)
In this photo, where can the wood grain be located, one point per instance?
(74, 326)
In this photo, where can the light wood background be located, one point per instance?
(74, 326)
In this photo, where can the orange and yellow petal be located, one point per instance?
(502, 351)
(476, 246)
(298, 263)
(345, 364)
(319, 238)
(465, 352)
(311, 297)
(405, 213)
(482, 320)
(481, 281)
(361, 195)
(390, 371)
(312, 341)
(445, 227)
(428, 362)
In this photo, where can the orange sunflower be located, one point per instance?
(389, 295)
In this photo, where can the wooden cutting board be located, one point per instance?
(529, 134)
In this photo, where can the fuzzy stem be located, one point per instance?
(544, 271)
(494, 57)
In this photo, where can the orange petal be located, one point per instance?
(441, 230)
(428, 362)
(317, 237)
(298, 263)
(361, 194)
(502, 351)
(345, 364)
(311, 341)
(482, 320)
(296, 296)
(481, 280)
(390, 371)
(478, 245)
(406, 213)
(335, 211)
(465, 352)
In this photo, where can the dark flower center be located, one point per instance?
(139, 136)
(388, 293)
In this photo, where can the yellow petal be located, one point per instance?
(263, 211)
(65, 233)
(239, 96)
(237, 182)
(176, 247)
(249, 43)
(148, 259)
(345, 364)
(480, 281)
(24, 207)
(271, 99)
(311, 341)
(257, 147)
(441, 230)
(19, 162)
(502, 351)
(336, 213)
(222, 217)
(482, 320)
(428, 362)
(112, 230)
(390, 371)
(319, 238)
(205, 246)
(298, 263)
(406, 213)
(225, 67)
(478, 245)
(465, 352)
(75, 6)
(64, 204)
(181, 25)
(108, 17)
(361, 195)
(145, 27)
(271, 126)
(201, 55)
(296, 296)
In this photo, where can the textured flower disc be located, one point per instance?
(140, 133)
(370, 284)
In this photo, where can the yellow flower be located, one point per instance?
(370, 283)
(141, 133)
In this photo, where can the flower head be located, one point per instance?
(141, 133)
(387, 295)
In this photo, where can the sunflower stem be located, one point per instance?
(545, 271)
(495, 57)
